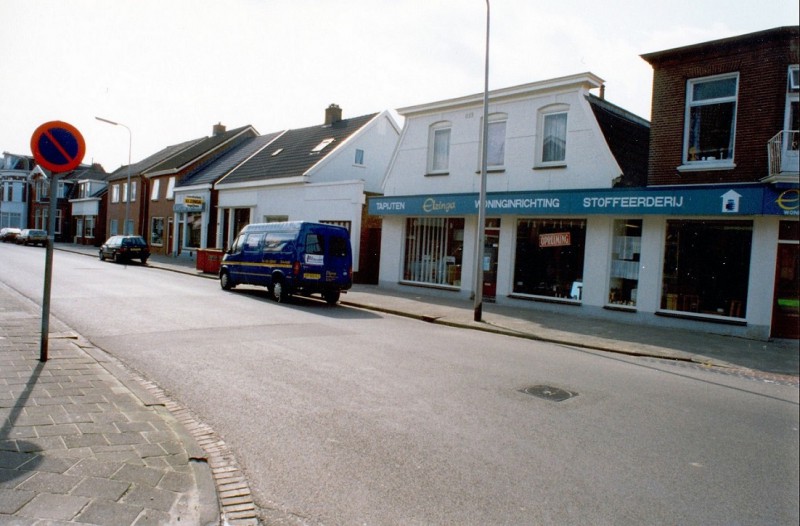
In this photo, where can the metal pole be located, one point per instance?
(48, 267)
(128, 192)
(481, 234)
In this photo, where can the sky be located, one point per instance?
(171, 69)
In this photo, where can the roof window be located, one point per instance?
(276, 152)
(321, 146)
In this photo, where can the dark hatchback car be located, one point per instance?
(125, 248)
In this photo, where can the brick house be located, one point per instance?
(725, 117)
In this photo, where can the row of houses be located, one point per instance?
(689, 220)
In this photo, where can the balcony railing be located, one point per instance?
(784, 156)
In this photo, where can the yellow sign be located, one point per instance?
(193, 201)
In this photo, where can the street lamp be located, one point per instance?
(128, 187)
(479, 240)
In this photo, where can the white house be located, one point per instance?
(320, 173)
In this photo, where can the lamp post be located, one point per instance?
(479, 239)
(128, 187)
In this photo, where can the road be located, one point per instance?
(344, 416)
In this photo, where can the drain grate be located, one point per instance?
(546, 392)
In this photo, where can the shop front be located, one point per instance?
(667, 256)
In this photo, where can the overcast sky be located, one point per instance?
(170, 69)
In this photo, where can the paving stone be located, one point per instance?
(101, 488)
(109, 514)
(92, 467)
(12, 500)
(13, 459)
(139, 475)
(153, 518)
(50, 464)
(85, 440)
(177, 482)
(57, 430)
(43, 482)
(49, 506)
(152, 498)
(12, 478)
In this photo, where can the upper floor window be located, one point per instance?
(496, 141)
(115, 193)
(155, 189)
(552, 143)
(439, 148)
(171, 188)
(359, 159)
(711, 119)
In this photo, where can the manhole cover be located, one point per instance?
(554, 394)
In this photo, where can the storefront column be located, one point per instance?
(763, 258)
(597, 257)
(650, 263)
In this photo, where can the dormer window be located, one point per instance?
(321, 146)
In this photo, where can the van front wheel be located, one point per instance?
(331, 296)
(225, 281)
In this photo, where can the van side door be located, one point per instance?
(245, 269)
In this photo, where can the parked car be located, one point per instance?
(31, 236)
(125, 248)
(9, 234)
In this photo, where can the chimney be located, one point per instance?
(603, 91)
(218, 129)
(333, 114)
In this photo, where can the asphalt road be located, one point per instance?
(344, 416)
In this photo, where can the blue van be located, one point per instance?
(290, 258)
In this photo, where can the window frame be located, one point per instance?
(690, 104)
(543, 115)
(433, 167)
(495, 119)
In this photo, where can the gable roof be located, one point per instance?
(228, 162)
(92, 172)
(296, 151)
(148, 162)
(197, 150)
(628, 138)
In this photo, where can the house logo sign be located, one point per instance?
(730, 202)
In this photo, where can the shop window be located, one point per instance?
(707, 267)
(88, 227)
(625, 253)
(157, 231)
(549, 258)
(194, 223)
(711, 119)
(433, 250)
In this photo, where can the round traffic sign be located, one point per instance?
(58, 146)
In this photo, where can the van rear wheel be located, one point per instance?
(279, 292)
(331, 296)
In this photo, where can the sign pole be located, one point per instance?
(58, 147)
(48, 267)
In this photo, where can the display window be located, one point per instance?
(433, 250)
(550, 257)
(626, 250)
(707, 267)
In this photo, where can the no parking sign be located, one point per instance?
(58, 146)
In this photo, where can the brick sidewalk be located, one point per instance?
(80, 442)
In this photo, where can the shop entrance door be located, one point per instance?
(491, 246)
(786, 306)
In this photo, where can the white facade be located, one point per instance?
(612, 242)
(332, 190)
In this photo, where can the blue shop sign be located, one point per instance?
(744, 200)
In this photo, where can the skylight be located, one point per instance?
(276, 152)
(321, 146)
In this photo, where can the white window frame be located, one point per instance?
(496, 121)
(155, 189)
(442, 130)
(704, 163)
(543, 115)
(171, 189)
(115, 193)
